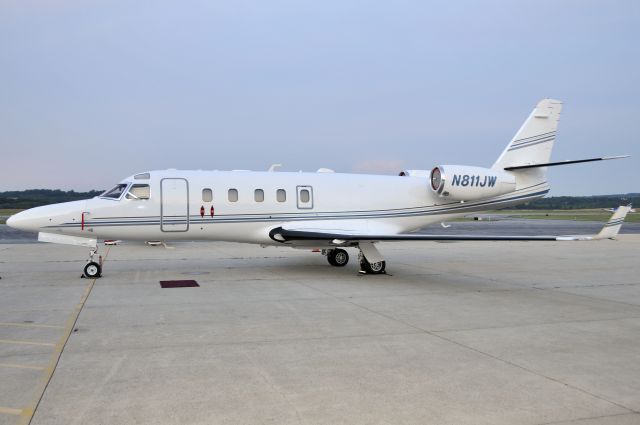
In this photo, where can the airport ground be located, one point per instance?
(455, 333)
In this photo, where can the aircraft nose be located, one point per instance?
(30, 220)
(19, 221)
(38, 218)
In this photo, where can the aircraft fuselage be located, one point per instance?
(242, 206)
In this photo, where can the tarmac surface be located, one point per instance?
(456, 333)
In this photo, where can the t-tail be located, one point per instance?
(528, 155)
(519, 174)
(532, 145)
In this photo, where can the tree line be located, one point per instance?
(581, 202)
(24, 199)
(36, 197)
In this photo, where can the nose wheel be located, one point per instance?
(93, 269)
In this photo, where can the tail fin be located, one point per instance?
(533, 143)
(612, 227)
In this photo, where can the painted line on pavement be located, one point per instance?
(27, 413)
(30, 325)
(21, 366)
(16, 341)
(10, 411)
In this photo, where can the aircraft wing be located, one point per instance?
(284, 235)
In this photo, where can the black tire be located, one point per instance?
(338, 257)
(92, 269)
(375, 268)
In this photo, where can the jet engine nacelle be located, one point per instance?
(415, 173)
(464, 183)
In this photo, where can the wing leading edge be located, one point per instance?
(279, 234)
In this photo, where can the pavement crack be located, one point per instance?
(586, 419)
(636, 306)
(525, 325)
(489, 355)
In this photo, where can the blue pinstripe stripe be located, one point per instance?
(614, 222)
(154, 221)
(533, 138)
(535, 142)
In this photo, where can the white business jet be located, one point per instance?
(325, 210)
(632, 210)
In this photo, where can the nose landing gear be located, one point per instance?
(93, 269)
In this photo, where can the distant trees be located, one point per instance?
(581, 202)
(36, 197)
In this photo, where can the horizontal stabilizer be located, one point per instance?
(553, 164)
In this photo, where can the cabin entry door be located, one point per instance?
(174, 205)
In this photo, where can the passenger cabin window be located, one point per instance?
(304, 196)
(281, 195)
(258, 195)
(116, 192)
(207, 195)
(233, 195)
(139, 191)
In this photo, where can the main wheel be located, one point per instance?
(372, 268)
(92, 269)
(338, 257)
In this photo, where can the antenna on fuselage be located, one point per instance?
(273, 167)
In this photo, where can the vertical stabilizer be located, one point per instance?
(533, 143)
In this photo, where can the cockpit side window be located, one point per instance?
(139, 191)
(116, 192)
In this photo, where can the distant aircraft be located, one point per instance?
(632, 210)
(323, 210)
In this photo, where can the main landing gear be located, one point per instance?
(372, 268)
(338, 257)
(93, 269)
(371, 261)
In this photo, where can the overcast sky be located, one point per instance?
(93, 91)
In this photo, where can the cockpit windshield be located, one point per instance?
(116, 192)
(138, 191)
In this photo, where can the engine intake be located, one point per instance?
(463, 183)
